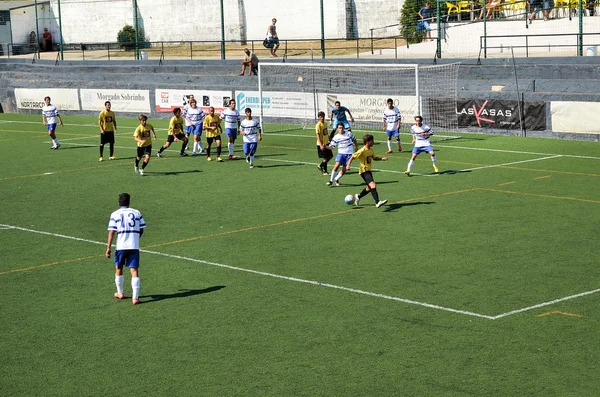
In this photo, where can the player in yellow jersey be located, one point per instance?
(212, 126)
(366, 156)
(175, 133)
(108, 128)
(323, 152)
(144, 143)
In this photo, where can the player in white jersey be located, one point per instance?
(128, 224)
(49, 117)
(391, 124)
(420, 139)
(231, 117)
(188, 125)
(194, 115)
(251, 133)
(345, 142)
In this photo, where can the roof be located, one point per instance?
(6, 5)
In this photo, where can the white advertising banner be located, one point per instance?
(167, 100)
(121, 100)
(567, 116)
(369, 108)
(296, 105)
(33, 98)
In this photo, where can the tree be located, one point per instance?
(126, 37)
(409, 17)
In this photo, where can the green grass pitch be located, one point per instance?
(481, 280)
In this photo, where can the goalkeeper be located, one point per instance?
(338, 115)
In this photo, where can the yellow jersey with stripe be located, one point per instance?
(107, 120)
(143, 132)
(365, 156)
(321, 130)
(176, 125)
(212, 121)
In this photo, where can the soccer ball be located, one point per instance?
(349, 199)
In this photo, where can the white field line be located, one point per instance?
(312, 136)
(327, 285)
(463, 147)
(69, 124)
(511, 163)
(295, 279)
(545, 304)
(374, 169)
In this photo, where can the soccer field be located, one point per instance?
(480, 280)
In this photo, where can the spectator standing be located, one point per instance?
(272, 37)
(426, 16)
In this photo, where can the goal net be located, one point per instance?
(291, 95)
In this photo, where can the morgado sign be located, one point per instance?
(121, 100)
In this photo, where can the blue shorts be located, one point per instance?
(195, 129)
(51, 127)
(189, 129)
(231, 133)
(250, 148)
(274, 40)
(129, 258)
(345, 122)
(426, 149)
(343, 158)
(392, 133)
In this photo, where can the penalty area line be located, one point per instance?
(273, 275)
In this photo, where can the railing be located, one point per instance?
(572, 40)
(213, 49)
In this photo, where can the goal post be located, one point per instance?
(291, 94)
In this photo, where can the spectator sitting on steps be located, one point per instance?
(32, 41)
(250, 62)
(46, 40)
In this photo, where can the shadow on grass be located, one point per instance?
(183, 293)
(452, 172)
(395, 206)
(154, 173)
(279, 165)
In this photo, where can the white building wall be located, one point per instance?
(376, 14)
(93, 21)
(22, 21)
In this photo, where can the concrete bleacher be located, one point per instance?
(539, 79)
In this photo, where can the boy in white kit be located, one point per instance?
(251, 132)
(128, 224)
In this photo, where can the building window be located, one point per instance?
(4, 17)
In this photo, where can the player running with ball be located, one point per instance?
(420, 139)
(366, 156)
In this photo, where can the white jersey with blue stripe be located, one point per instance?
(128, 223)
(230, 117)
(196, 115)
(421, 141)
(250, 128)
(50, 112)
(392, 116)
(344, 142)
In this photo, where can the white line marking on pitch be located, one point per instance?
(511, 163)
(312, 282)
(465, 147)
(545, 304)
